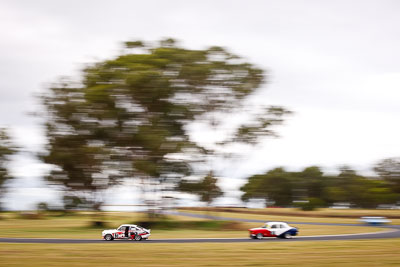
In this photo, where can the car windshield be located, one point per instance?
(265, 225)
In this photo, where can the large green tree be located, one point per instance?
(7, 149)
(81, 161)
(129, 116)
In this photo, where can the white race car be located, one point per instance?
(126, 231)
(273, 229)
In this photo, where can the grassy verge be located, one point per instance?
(321, 253)
(272, 215)
(324, 212)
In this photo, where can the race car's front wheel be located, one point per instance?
(259, 235)
(138, 237)
(108, 237)
(287, 235)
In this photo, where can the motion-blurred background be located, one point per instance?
(190, 117)
(103, 102)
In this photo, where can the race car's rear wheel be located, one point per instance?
(108, 237)
(259, 236)
(138, 237)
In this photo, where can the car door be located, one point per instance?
(273, 229)
(281, 228)
(120, 232)
(134, 231)
(127, 231)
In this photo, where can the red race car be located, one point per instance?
(273, 229)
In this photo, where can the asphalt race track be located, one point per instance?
(391, 231)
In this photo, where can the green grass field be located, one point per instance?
(304, 253)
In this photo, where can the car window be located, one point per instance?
(274, 226)
(122, 228)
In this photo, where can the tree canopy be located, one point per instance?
(128, 115)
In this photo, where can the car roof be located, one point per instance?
(127, 225)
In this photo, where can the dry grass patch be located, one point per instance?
(321, 253)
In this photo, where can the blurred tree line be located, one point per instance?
(311, 188)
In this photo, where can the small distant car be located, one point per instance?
(273, 229)
(374, 220)
(126, 231)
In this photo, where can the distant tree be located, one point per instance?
(359, 189)
(389, 170)
(334, 194)
(7, 149)
(275, 185)
(313, 181)
(206, 188)
(379, 192)
(129, 115)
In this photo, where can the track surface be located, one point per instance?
(392, 231)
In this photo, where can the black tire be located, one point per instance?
(108, 237)
(259, 236)
(138, 237)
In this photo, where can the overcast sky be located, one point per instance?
(334, 63)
